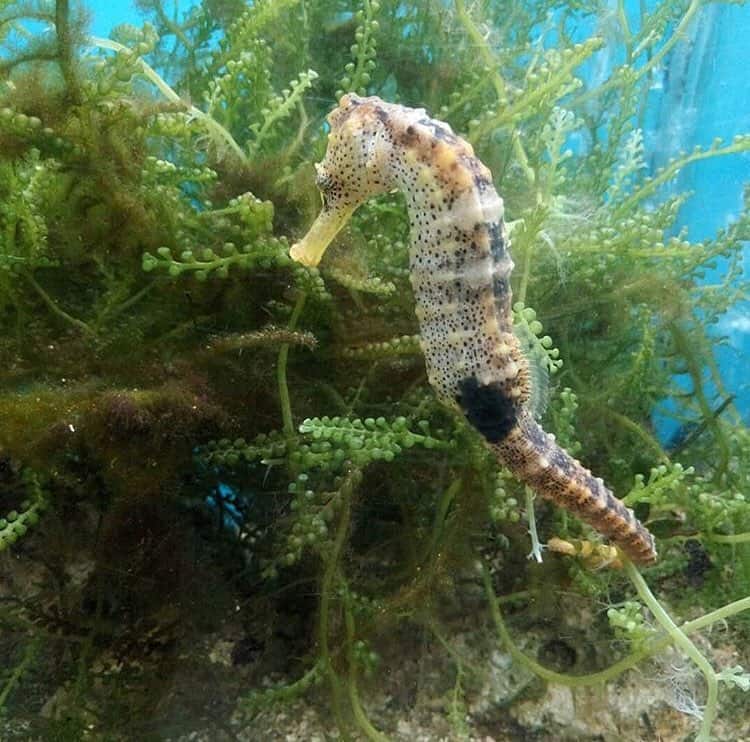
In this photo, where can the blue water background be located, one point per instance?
(106, 14)
(702, 92)
(708, 96)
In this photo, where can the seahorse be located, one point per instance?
(460, 267)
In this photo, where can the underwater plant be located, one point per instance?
(228, 469)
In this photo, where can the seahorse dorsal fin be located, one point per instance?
(538, 369)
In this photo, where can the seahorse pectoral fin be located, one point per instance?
(309, 250)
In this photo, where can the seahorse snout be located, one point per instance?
(309, 250)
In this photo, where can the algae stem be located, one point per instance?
(441, 513)
(19, 670)
(729, 538)
(536, 546)
(647, 67)
(683, 347)
(65, 48)
(636, 429)
(681, 640)
(627, 34)
(597, 678)
(454, 655)
(326, 591)
(649, 187)
(359, 713)
(134, 299)
(286, 406)
(179, 34)
(525, 272)
(730, 609)
(482, 46)
(571, 681)
(80, 324)
(213, 126)
(498, 82)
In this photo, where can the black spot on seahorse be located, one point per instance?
(382, 114)
(497, 243)
(410, 137)
(488, 408)
(499, 252)
(439, 131)
(480, 182)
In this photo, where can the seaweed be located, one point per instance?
(196, 426)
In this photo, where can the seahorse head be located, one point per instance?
(353, 170)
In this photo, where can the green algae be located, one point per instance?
(158, 343)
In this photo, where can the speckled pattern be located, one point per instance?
(460, 273)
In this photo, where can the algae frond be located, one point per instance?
(204, 444)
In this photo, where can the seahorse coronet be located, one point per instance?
(460, 268)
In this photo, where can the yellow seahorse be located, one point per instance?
(460, 269)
